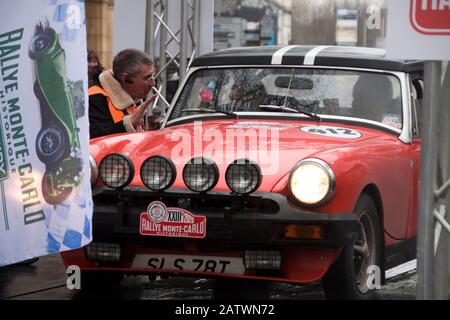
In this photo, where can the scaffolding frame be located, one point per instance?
(186, 38)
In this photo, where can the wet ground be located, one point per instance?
(46, 280)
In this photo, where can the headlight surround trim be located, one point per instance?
(240, 162)
(203, 160)
(130, 167)
(93, 169)
(170, 164)
(331, 181)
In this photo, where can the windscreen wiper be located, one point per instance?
(206, 110)
(287, 109)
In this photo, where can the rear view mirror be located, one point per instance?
(296, 83)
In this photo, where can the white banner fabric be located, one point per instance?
(45, 194)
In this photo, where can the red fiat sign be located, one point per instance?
(431, 16)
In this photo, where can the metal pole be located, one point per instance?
(442, 279)
(196, 27)
(150, 29)
(364, 22)
(446, 105)
(428, 169)
(149, 40)
(183, 39)
(162, 78)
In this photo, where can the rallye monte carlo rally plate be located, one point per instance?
(171, 222)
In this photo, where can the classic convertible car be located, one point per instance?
(57, 143)
(299, 165)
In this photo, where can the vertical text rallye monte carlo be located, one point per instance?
(292, 164)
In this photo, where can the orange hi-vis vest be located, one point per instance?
(116, 114)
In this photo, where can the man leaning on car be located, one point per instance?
(119, 98)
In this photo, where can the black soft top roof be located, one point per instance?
(335, 56)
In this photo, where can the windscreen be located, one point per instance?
(366, 95)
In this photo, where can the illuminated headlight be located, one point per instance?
(200, 174)
(93, 170)
(243, 176)
(116, 170)
(312, 182)
(158, 173)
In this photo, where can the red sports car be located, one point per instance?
(302, 165)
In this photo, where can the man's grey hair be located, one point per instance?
(129, 61)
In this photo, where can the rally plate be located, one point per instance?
(161, 221)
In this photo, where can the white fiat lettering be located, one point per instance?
(436, 5)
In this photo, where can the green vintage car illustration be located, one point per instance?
(57, 143)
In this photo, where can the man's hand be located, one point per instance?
(137, 118)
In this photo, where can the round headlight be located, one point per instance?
(200, 174)
(158, 173)
(312, 182)
(116, 170)
(93, 170)
(243, 176)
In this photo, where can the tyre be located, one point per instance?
(100, 280)
(349, 277)
(52, 145)
(53, 194)
(42, 41)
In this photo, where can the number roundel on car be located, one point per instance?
(336, 132)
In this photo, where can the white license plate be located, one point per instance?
(171, 262)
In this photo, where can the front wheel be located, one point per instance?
(350, 277)
(52, 193)
(51, 145)
(42, 41)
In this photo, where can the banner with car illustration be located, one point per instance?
(45, 194)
